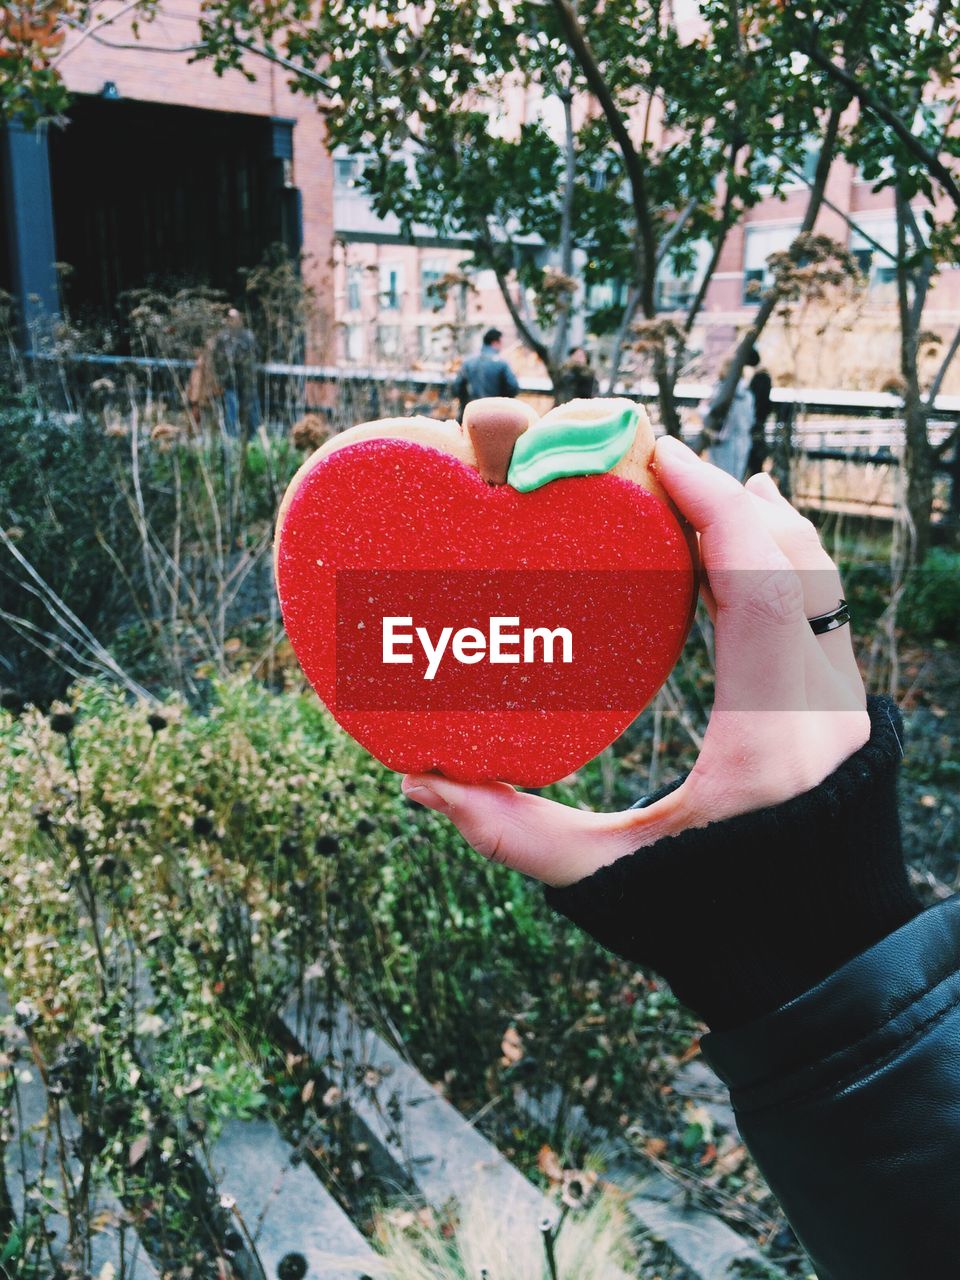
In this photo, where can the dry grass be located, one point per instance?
(592, 1244)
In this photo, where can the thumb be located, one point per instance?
(763, 639)
(551, 842)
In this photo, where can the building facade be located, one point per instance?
(165, 172)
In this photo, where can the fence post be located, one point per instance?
(953, 469)
(31, 244)
(783, 447)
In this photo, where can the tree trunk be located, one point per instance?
(665, 374)
(918, 455)
(768, 304)
(783, 449)
(919, 468)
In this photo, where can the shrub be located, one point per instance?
(156, 540)
(235, 852)
(930, 607)
(60, 506)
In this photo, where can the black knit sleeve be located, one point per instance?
(742, 915)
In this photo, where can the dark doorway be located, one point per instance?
(148, 194)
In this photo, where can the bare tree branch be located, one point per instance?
(942, 372)
(673, 234)
(835, 208)
(528, 333)
(870, 102)
(197, 46)
(633, 161)
(87, 32)
(566, 222)
(921, 280)
(726, 222)
(768, 303)
(629, 311)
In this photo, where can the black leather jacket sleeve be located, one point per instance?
(848, 1097)
(833, 1001)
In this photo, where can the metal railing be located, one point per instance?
(818, 425)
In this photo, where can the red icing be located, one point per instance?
(390, 504)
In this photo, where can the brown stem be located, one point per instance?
(526, 331)
(726, 222)
(629, 311)
(664, 372)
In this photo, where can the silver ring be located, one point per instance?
(832, 621)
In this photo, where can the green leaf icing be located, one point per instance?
(572, 448)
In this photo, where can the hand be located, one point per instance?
(789, 706)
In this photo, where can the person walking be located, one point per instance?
(729, 444)
(486, 374)
(577, 379)
(761, 385)
(202, 386)
(235, 367)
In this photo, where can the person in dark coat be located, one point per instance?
(487, 374)
(761, 385)
(235, 367)
(577, 378)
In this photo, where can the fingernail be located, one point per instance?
(676, 450)
(418, 791)
(764, 480)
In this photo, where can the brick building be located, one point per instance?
(409, 304)
(163, 170)
(852, 344)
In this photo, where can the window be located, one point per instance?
(431, 299)
(432, 341)
(677, 285)
(803, 173)
(463, 302)
(389, 345)
(605, 294)
(391, 287)
(770, 173)
(353, 342)
(598, 178)
(879, 269)
(346, 171)
(466, 340)
(760, 243)
(354, 288)
(674, 293)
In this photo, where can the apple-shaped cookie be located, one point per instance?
(496, 600)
